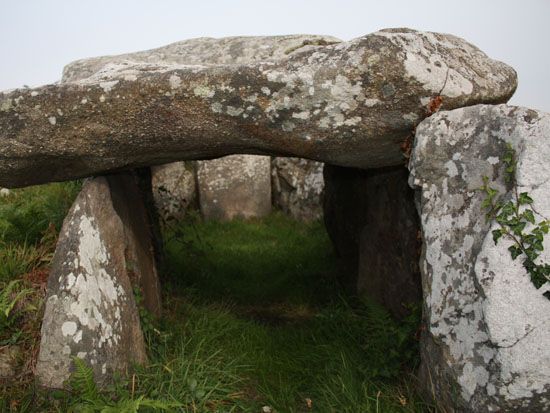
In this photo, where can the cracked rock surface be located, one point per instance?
(350, 103)
(485, 348)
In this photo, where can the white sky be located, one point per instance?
(38, 37)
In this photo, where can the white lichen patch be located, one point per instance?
(52, 120)
(217, 107)
(94, 296)
(233, 111)
(68, 328)
(301, 115)
(175, 82)
(204, 91)
(6, 104)
(107, 86)
(493, 160)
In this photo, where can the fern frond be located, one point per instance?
(82, 381)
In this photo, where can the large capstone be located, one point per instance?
(371, 219)
(103, 257)
(236, 186)
(485, 347)
(351, 104)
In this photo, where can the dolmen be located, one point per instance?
(367, 109)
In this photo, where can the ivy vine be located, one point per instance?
(519, 222)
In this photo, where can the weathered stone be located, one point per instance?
(389, 243)
(103, 254)
(350, 104)
(344, 205)
(297, 187)
(237, 50)
(130, 202)
(8, 361)
(174, 189)
(371, 219)
(486, 343)
(235, 186)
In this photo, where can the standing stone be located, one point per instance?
(389, 243)
(103, 254)
(297, 187)
(371, 219)
(235, 186)
(486, 345)
(174, 189)
(131, 201)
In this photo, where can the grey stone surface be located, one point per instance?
(349, 104)
(297, 187)
(104, 252)
(235, 186)
(486, 343)
(8, 361)
(174, 189)
(389, 243)
(371, 219)
(238, 50)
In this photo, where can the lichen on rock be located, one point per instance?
(487, 325)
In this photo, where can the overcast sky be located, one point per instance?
(38, 37)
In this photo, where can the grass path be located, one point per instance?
(254, 320)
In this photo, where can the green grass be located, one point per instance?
(273, 260)
(26, 214)
(253, 316)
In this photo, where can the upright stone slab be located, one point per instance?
(131, 203)
(174, 189)
(297, 187)
(235, 186)
(389, 243)
(486, 345)
(103, 254)
(371, 219)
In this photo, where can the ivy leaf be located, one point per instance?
(497, 233)
(529, 216)
(508, 208)
(515, 251)
(525, 199)
(518, 227)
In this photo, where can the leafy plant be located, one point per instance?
(90, 400)
(518, 222)
(153, 336)
(9, 297)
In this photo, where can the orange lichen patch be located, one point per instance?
(434, 105)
